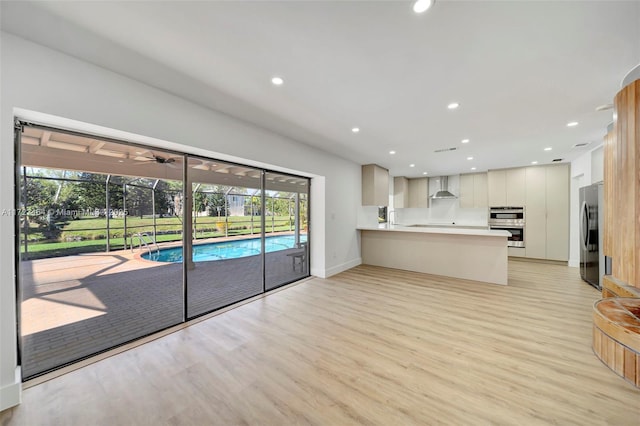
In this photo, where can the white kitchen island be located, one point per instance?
(470, 253)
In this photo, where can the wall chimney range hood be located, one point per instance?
(443, 193)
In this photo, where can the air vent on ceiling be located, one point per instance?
(581, 144)
(446, 149)
(556, 160)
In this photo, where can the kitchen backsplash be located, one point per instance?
(443, 212)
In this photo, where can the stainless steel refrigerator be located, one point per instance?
(591, 226)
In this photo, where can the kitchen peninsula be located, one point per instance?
(471, 253)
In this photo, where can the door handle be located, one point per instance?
(584, 225)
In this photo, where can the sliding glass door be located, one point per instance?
(226, 260)
(286, 224)
(92, 211)
(117, 241)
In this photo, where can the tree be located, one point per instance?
(90, 192)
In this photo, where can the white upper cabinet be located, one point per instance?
(419, 192)
(506, 187)
(375, 185)
(515, 187)
(473, 190)
(497, 188)
(400, 192)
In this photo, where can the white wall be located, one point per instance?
(585, 170)
(35, 78)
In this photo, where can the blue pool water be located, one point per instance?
(226, 249)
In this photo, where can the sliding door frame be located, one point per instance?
(187, 230)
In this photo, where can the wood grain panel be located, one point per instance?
(609, 194)
(369, 346)
(616, 335)
(629, 365)
(622, 187)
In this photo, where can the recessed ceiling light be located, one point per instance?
(534, 162)
(421, 6)
(465, 141)
(572, 124)
(548, 148)
(120, 161)
(277, 81)
(604, 107)
(412, 165)
(453, 105)
(355, 129)
(392, 152)
(473, 168)
(469, 158)
(425, 173)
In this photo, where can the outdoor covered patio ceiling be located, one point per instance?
(59, 150)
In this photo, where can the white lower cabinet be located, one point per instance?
(517, 252)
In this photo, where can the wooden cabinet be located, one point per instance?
(419, 193)
(547, 212)
(400, 192)
(375, 185)
(473, 190)
(506, 187)
(622, 188)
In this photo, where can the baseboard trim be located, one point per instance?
(535, 260)
(11, 395)
(342, 267)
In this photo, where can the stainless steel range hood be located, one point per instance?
(443, 193)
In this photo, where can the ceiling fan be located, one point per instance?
(150, 157)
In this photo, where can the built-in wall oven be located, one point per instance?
(509, 219)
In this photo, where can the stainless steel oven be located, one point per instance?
(510, 219)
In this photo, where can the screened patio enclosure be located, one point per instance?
(118, 241)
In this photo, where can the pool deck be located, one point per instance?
(75, 306)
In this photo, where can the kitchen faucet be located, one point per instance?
(391, 222)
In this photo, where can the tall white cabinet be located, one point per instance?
(547, 212)
(557, 212)
(535, 231)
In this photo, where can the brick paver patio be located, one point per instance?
(76, 306)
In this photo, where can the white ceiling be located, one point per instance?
(520, 70)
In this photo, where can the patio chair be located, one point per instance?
(299, 257)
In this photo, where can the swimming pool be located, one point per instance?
(225, 249)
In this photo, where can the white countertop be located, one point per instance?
(428, 230)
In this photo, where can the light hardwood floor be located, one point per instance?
(368, 346)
